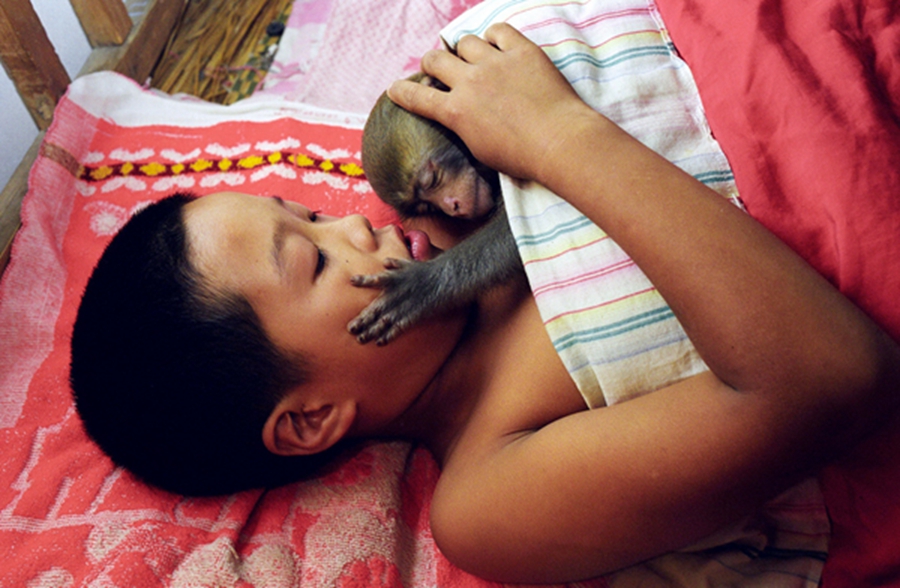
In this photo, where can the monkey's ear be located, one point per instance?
(297, 428)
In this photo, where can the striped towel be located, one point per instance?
(614, 332)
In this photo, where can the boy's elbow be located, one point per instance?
(882, 372)
(863, 379)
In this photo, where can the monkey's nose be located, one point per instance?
(456, 207)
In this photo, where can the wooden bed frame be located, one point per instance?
(118, 44)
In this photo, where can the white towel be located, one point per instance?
(614, 332)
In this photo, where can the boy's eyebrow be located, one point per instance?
(278, 244)
(278, 238)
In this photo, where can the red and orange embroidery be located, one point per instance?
(156, 169)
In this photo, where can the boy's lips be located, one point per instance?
(418, 244)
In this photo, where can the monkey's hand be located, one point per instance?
(411, 291)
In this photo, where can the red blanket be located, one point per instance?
(804, 98)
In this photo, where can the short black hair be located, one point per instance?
(173, 380)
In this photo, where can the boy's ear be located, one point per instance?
(298, 428)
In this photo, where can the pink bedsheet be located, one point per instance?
(68, 517)
(804, 98)
(342, 54)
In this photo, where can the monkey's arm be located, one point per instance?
(415, 290)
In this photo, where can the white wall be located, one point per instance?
(17, 129)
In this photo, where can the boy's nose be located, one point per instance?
(360, 232)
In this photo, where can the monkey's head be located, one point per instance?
(420, 167)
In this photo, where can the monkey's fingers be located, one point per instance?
(371, 280)
(380, 330)
(392, 263)
(367, 326)
(382, 280)
(363, 281)
(383, 331)
(383, 320)
(359, 327)
(393, 331)
(403, 301)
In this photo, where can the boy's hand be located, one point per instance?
(507, 101)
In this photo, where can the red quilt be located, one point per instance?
(804, 98)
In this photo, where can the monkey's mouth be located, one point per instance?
(419, 245)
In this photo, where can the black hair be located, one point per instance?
(173, 380)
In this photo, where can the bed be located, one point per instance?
(804, 99)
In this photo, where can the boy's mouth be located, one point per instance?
(418, 244)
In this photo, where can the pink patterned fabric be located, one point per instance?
(68, 517)
(342, 54)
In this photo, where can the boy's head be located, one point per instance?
(172, 379)
(211, 354)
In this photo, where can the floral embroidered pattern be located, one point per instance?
(156, 169)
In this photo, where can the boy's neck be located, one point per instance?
(441, 412)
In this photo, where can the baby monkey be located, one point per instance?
(421, 168)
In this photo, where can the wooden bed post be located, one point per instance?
(105, 22)
(30, 60)
(24, 47)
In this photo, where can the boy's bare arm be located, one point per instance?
(720, 270)
(791, 356)
(762, 318)
(599, 490)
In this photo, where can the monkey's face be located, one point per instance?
(294, 267)
(456, 185)
(420, 167)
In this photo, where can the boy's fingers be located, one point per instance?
(442, 65)
(503, 36)
(472, 49)
(500, 36)
(417, 98)
(401, 93)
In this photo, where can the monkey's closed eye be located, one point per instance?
(436, 178)
(427, 180)
(424, 208)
